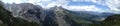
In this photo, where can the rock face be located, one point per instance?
(6, 19)
(55, 16)
(59, 16)
(27, 11)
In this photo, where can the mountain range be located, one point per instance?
(55, 16)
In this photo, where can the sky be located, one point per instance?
(111, 6)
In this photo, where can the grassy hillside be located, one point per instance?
(113, 20)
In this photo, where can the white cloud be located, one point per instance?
(51, 4)
(13, 1)
(84, 8)
(38, 2)
(113, 4)
(57, 3)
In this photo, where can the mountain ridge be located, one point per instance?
(55, 16)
